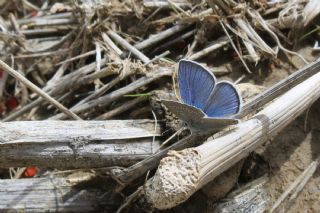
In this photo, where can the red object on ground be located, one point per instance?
(11, 103)
(34, 13)
(30, 171)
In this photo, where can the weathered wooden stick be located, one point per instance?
(76, 144)
(182, 173)
(49, 195)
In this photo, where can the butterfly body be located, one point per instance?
(207, 105)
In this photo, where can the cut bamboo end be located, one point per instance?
(176, 177)
(182, 173)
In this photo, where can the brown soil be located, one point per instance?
(292, 150)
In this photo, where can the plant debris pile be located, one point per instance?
(115, 60)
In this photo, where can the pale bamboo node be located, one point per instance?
(184, 172)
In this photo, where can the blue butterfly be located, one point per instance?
(207, 105)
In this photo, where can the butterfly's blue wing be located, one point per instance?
(195, 83)
(224, 101)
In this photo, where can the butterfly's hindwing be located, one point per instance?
(195, 118)
(187, 113)
(223, 102)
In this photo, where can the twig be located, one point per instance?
(295, 188)
(76, 57)
(178, 7)
(240, 79)
(152, 40)
(53, 16)
(128, 46)
(220, 42)
(44, 32)
(111, 44)
(37, 90)
(131, 198)
(42, 54)
(163, 4)
(158, 57)
(171, 137)
(59, 84)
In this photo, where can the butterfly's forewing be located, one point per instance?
(224, 101)
(195, 118)
(195, 83)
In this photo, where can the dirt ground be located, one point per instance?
(292, 150)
